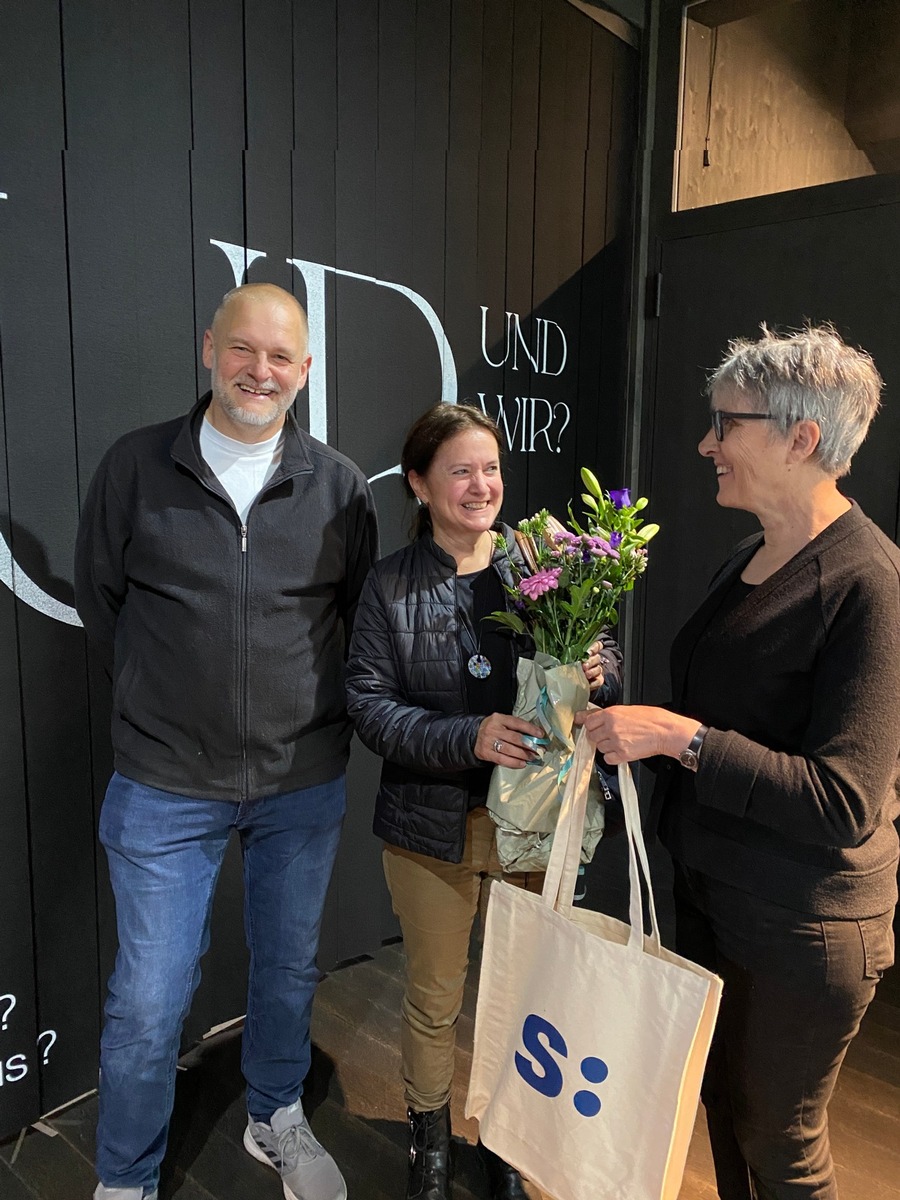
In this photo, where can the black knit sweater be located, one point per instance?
(796, 794)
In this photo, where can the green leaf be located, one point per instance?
(509, 619)
(590, 481)
(573, 523)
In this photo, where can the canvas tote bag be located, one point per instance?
(590, 1037)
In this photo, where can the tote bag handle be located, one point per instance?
(565, 854)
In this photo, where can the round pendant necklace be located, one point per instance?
(479, 665)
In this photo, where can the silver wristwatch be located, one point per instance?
(690, 755)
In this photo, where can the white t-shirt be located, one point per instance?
(242, 468)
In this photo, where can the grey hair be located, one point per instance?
(810, 374)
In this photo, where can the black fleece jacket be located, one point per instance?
(225, 642)
(796, 793)
(407, 697)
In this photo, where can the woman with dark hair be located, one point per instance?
(778, 790)
(431, 686)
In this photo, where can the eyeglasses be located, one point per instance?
(720, 416)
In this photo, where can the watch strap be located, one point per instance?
(690, 755)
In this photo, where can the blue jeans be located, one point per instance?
(164, 853)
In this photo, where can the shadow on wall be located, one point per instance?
(555, 381)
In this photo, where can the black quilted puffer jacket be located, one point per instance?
(406, 694)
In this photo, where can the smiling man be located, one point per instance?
(220, 558)
(256, 351)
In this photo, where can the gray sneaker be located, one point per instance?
(132, 1193)
(307, 1170)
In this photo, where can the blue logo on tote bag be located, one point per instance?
(541, 1071)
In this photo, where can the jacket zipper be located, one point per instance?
(244, 648)
(464, 700)
(243, 602)
(243, 655)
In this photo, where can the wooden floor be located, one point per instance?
(357, 1111)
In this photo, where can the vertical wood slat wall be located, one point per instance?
(478, 152)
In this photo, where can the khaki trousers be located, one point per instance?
(436, 903)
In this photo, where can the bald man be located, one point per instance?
(219, 561)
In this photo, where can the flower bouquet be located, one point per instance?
(568, 591)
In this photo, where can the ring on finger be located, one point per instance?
(498, 746)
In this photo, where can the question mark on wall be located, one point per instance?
(568, 413)
(4, 1020)
(51, 1034)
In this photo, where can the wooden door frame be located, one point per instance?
(655, 224)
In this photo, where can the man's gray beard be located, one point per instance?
(245, 416)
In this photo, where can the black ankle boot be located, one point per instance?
(429, 1155)
(504, 1181)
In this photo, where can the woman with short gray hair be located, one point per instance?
(778, 786)
(811, 375)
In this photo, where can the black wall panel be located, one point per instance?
(820, 268)
(126, 75)
(315, 74)
(606, 305)
(467, 20)
(433, 38)
(218, 89)
(523, 106)
(33, 106)
(43, 484)
(422, 161)
(506, 321)
(19, 1075)
(269, 65)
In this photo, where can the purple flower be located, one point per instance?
(600, 548)
(567, 543)
(620, 498)
(534, 586)
(615, 539)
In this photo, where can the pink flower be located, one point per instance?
(535, 585)
(601, 548)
